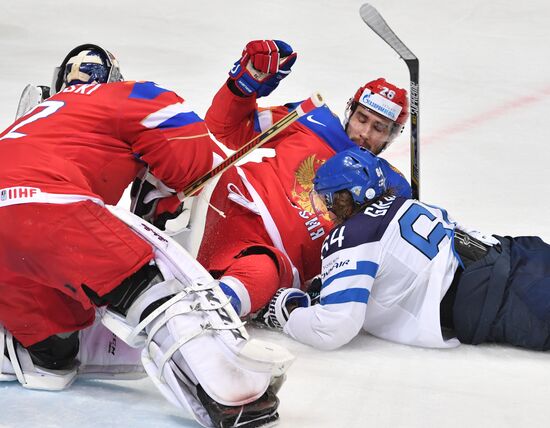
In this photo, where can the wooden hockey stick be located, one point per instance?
(316, 100)
(375, 21)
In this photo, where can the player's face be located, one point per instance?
(369, 130)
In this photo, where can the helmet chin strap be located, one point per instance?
(396, 129)
(384, 147)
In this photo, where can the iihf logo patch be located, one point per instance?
(10, 194)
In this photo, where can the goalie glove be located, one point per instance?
(30, 98)
(276, 313)
(263, 64)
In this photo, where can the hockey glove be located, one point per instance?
(314, 289)
(275, 315)
(153, 201)
(264, 63)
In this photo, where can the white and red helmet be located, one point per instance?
(383, 98)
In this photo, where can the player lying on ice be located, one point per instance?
(65, 253)
(268, 236)
(403, 270)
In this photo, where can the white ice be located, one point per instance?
(484, 98)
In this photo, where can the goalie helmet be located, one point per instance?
(383, 98)
(356, 170)
(86, 63)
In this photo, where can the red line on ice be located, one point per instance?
(479, 119)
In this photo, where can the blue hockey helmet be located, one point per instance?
(356, 170)
(86, 63)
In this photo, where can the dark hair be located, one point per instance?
(341, 204)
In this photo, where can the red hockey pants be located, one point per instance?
(47, 251)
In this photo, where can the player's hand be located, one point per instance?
(263, 64)
(276, 313)
(313, 289)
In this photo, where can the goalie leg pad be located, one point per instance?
(195, 338)
(102, 355)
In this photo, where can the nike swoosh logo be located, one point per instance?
(310, 119)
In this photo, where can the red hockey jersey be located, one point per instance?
(91, 140)
(279, 185)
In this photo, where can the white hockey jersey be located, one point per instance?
(385, 270)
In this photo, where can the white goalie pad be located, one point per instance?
(195, 337)
(102, 355)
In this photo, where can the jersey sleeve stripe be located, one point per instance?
(359, 295)
(172, 116)
(181, 119)
(362, 268)
(146, 91)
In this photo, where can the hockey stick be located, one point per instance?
(316, 100)
(377, 24)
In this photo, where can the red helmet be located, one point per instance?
(385, 99)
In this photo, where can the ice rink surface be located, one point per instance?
(484, 112)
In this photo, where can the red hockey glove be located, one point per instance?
(264, 63)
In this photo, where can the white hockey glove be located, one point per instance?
(275, 315)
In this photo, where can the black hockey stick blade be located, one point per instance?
(374, 20)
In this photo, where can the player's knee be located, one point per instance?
(251, 281)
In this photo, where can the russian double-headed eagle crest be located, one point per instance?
(303, 183)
